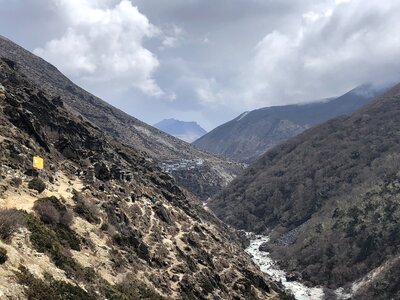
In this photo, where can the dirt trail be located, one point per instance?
(24, 198)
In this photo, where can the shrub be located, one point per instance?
(3, 255)
(86, 209)
(52, 211)
(46, 240)
(131, 240)
(67, 237)
(37, 184)
(131, 288)
(104, 227)
(49, 288)
(68, 291)
(10, 221)
(47, 213)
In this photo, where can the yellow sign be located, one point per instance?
(37, 163)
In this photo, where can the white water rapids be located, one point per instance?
(268, 266)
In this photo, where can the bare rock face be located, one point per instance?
(128, 231)
(164, 214)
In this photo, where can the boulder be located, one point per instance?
(102, 171)
(164, 214)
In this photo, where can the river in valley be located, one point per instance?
(270, 267)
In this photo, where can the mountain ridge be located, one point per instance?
(252, 133)
(159, 146)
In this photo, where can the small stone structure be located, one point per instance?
(90, 174)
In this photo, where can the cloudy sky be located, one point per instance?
(210, 60)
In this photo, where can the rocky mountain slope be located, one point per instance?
(330, 196)
(186, 131)
(156, 144)
(102, 222)
(251, 134)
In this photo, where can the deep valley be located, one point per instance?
(272, 170)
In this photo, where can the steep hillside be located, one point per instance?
(158, 145)
(330, 197)
(187, 131)
(251, 134)
(102, 222)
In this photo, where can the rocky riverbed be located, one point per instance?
(270, 267)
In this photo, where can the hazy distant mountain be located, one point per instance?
(187, 131)
(335, 191)
(252, 133)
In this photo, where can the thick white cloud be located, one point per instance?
(315, 49)
(103, 44)
(338, 46)
(210, 60)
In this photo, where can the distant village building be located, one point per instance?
(182, 164)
